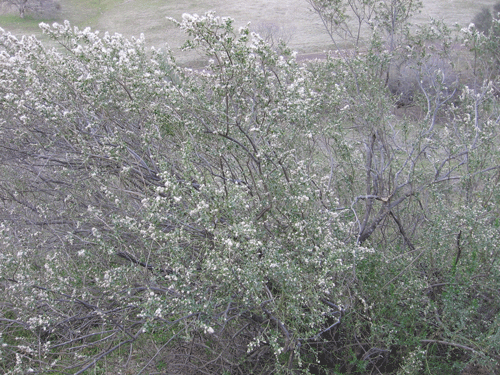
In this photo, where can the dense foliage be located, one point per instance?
(258, 216)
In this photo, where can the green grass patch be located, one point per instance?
(133, 17)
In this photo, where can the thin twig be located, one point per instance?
(399, 274)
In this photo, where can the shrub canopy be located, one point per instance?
(261, 212)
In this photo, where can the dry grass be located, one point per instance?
(132, 17)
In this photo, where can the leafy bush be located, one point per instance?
(483, 20)
(258, 216)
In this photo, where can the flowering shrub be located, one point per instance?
(254, 216)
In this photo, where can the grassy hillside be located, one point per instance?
(132, 17)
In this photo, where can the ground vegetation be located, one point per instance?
(36, 8)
